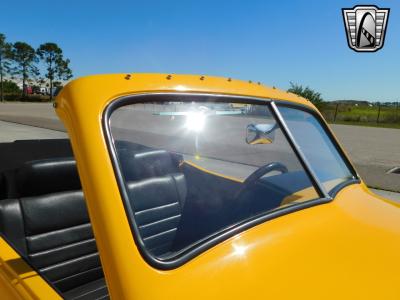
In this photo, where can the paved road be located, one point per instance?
(35, 114)
(10, 132)
(370, 144)
(374, 151)
(43, 110)
(389, 195)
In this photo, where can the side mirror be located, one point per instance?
(260, 133)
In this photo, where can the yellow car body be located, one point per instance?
(348, 248)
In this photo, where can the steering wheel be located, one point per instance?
(260, 172)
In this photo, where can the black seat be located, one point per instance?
(41, 177)
(47, 176)
(50, 227)
(157, 204)
(142, 165)
(3, 191)
(157, 193)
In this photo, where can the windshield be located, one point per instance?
(192, 170)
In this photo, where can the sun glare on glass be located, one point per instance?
(195, 121)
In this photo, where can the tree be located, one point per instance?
(5, 50)
(10, 87)
(57, 67)
(25, 59)
(307, 93)
(57, 84)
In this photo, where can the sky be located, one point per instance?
(274, 42)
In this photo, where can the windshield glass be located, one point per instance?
(192, 170)
(319, 150)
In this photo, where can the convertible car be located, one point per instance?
(191, 187)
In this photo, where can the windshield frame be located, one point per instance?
(206, 243)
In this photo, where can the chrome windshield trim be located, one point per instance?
(296, 148)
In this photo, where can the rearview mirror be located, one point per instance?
(260, 133)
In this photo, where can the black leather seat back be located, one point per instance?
(157, 204)
(59, 239)
(149, 164)
(45, 176)
(3, 191)
(157, 192)
(50, 226)
(12, 225)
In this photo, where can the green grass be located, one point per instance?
(389, 117)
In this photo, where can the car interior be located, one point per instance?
(177, 204)
(43, 216)
(43, 213)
